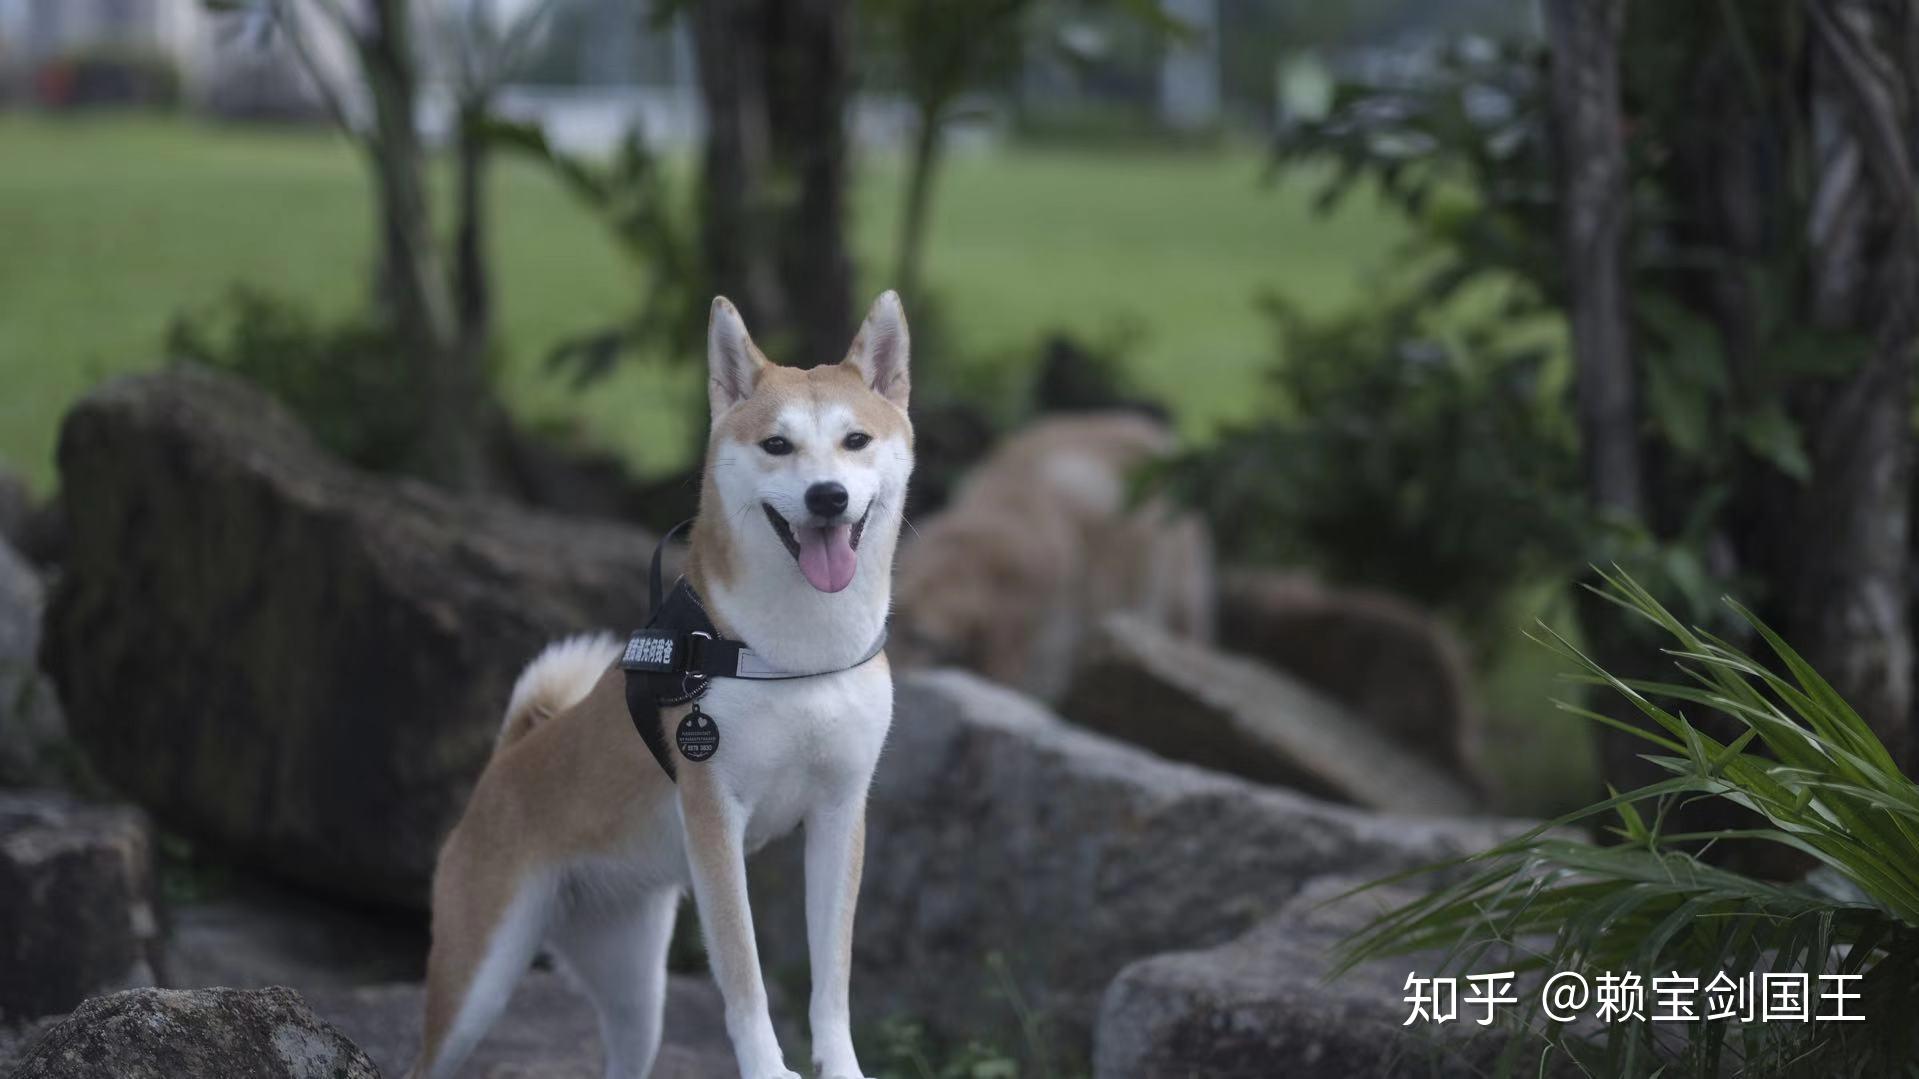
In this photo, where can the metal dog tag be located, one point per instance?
(699, 735)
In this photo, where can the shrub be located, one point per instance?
(1444, 470)
(349, 382)
(1827, 789)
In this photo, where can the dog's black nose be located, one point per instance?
(826, 499)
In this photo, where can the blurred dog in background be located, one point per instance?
(1042, 541)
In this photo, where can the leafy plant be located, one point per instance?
(1439, 466)
(1824, 787)
(1727, 341)
(905, 1049)
(348, 382)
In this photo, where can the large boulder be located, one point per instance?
(301, 663)
(171, 1033)
(1015, 863)
(1190, 702)
(76, 902)
(31, 727)
(548, 1031)
(1263, 1004)
(1394, 665)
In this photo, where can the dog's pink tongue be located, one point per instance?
(826, 556)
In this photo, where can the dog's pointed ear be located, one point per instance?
(733, 362)
(880, 350)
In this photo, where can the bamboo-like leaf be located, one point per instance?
(1825, 787)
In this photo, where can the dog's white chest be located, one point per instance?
(784, 745)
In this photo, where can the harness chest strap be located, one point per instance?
(670, 660)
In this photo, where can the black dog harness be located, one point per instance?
(670, 661)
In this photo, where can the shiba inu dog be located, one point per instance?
(1041, 543)
(577, 837)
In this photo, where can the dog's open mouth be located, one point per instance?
(827, 556)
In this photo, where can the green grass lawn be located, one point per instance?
(110, 226)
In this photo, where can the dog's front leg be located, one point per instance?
(835, 853)
(714, 825)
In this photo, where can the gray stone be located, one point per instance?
(1264, 1004)
(548, 1031)
(172, 1034)
(17, 1038)
(1397, 667)
(16, 507)
(255, 934)
(1012, 856)
(284, 658)
(1190, 702)
(76, 902)
(31, 728)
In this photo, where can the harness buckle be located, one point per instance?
(692, 679)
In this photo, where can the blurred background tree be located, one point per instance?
(436, 304)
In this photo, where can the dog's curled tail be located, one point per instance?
(558, 678)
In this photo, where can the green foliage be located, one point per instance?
(1718, 271)
(905, 1050)
(1436, 467)
(348, 382)
(1824, 787)
(632, 195)
(187, 875)
(1456, 139)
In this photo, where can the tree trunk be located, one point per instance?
(472, 290)
(738, 252)
(808, 84)
(774, 76)
(1590, 173)
(413, 290)
(1843, 582)
(921, 169)
(1591, 153)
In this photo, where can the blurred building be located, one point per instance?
(38, 30)
(113, 50)
(103, 52)
(600, 67)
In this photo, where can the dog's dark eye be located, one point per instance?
(857, 440)
(776, 446)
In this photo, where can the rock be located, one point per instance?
(302, 664)
(1190, 702)
(171, 1033)
(31, 727)
(16, 1040)
(548, 1032)
(16, 507)
(1261, 1005)
(256, 934)
(1010, 851)
(1393, 664)
(76, 902)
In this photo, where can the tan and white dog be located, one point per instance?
(577, 838)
